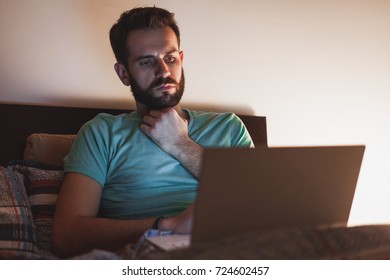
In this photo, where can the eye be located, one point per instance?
(146, 62)
(170, 59)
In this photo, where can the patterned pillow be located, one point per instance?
(17, 230)
(42, 187)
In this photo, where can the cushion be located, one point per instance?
(17, 230)
(42, 187)
(48, 148)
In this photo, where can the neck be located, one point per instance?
(144, 111)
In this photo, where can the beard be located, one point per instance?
(166, 100)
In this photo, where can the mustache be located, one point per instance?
(161, 81)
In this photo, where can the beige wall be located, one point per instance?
(319, 70)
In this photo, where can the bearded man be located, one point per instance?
(129, 173)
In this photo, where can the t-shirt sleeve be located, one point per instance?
(89, 154)
(240, 135)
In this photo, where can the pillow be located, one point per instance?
(48, 148)
(17, 230)
(42, 187)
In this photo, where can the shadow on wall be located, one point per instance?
(64, 100)
(239, 109)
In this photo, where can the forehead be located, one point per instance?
(151, 41)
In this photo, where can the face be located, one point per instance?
(155, 71)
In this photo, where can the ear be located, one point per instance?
(122, 73)
(181, 54)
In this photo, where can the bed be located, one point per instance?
(29, 185)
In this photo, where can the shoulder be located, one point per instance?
(202, 118)
(211, 116)
(110, 119)
(105, 121)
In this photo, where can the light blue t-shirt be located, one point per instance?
(139, 180)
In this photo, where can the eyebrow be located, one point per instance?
(141, 57)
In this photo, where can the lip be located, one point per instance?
(165, 87)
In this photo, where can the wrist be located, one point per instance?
(157, 222)
(166, 223)
(161, 223)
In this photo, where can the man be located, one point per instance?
(129, 173)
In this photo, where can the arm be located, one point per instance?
(77, 229)
(170, 132)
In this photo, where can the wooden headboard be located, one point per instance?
(19, 121)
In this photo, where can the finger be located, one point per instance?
(156, 113)
(151, 121)
(145, 129)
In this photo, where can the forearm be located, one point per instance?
(170, 132)
(81, 234)
(189, 154)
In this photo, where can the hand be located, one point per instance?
(170, 132)
(181, 223)
(167, 129)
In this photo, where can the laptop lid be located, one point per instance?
(242, 190)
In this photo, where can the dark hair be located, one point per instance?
(135, 19)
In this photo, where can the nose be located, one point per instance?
(162, 69)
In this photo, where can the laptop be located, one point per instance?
(242, 190)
